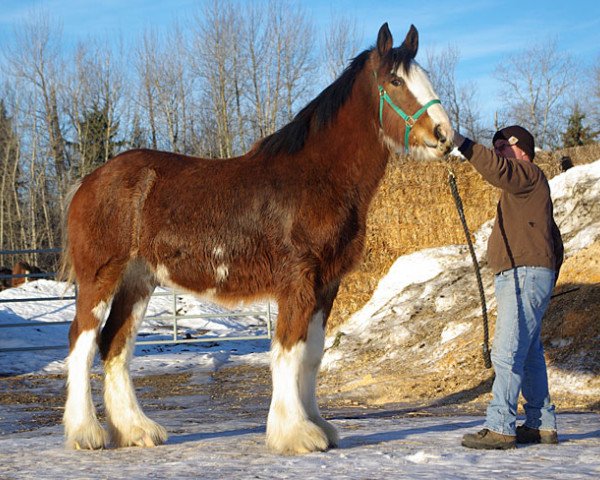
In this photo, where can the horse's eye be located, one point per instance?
(397, 82)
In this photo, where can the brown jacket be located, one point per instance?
(524, 233)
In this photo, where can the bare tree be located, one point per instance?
(279, 62)
(146, 65)
(34, 64)
(595, 98)
(173, 87)
(341, 44)
(258, 66)
(10, 177)
(459, 100)
(298, 61)
(91, 101)
(214, 62)
(255, 67)
(35, 57)
(536, 82)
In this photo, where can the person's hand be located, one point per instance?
(458, 139)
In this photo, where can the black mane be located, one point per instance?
(319, 113)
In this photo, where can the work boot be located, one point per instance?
(487, 440)
(533, 435)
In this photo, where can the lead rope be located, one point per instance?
(461, 213)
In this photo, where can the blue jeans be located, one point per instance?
(523, 295)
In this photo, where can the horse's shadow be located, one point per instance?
(198, 437)
(354, 441)
(345, 442)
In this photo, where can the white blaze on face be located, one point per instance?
(419, 85)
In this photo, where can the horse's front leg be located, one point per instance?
(307, 380)
(294, 424)
(312, 361)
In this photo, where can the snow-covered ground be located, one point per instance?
(211, 442)
(373, 446)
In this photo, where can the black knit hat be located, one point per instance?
(516, 135)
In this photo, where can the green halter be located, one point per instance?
(410, 120)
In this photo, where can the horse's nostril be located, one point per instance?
(439, 134)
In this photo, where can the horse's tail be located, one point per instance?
(66, 272)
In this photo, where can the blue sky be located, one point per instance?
(484, 31)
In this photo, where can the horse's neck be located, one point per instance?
(354, 148)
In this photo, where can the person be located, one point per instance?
(525, 252)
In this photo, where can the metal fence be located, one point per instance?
(175, 338)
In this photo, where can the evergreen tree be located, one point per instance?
(577, 133)
(138, 138)
(96, 142)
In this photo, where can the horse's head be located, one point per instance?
(411, 118)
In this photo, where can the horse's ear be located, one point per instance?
(384, 40)
(411, 42)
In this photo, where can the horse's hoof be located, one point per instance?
(89, 446)
(145, 441)
(301, 437)
(330, 431)
(150, 434)
(87, 437)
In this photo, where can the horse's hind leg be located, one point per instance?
(82, 429)
(128, 425)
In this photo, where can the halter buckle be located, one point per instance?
(410, 121)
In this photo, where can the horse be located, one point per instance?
(286, 221)
(21, 271)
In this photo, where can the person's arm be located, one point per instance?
(559, 250)
(514, 176)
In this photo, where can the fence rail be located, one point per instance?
(267, 314)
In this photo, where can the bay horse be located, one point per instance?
(285, 221)
(20, 270)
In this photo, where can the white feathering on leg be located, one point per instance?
(82, 429)
(308, 376)
(128, 424)
(289, 429)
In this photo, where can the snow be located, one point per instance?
(208, 441)
(155, 328)
(453, 330)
